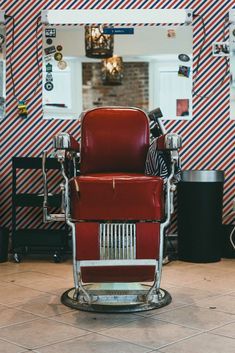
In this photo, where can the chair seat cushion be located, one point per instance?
(117, 196)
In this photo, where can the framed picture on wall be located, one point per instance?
(182, 107)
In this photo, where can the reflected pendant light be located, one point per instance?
(97, 44)
(112, 71)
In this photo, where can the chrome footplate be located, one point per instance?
(116, 300)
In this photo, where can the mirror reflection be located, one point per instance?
(149, 66)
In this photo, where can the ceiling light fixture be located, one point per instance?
(112, 71)
(97, 44)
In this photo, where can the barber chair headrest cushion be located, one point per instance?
(114, 139)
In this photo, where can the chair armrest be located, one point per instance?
(169, 142)
(65, 141)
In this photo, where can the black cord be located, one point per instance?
(226, 19)
(12, 50)
(201, 48)
(38, 63)
(28, 98)
(199, 60)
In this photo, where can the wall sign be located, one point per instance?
(50, 32)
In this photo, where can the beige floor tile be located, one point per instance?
(223, 265)
(196, 317)
(94, 343)
(179, 276)
(10, 316)
(26, 277)
(224, 303)
(39, 333)
(94, 321)
(3, 284)
(222, 285)
(173, 305)
(39, 283)
(12, 293)
(47, 306)
(8, 268)
(63, 269)
(183, 275)
(189, 295)
(177, 264)
(51, 285)
(205, 343)
(150, 333)
(228, 264)
(7, 347)
(227, 330)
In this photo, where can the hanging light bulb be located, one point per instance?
(112, 71)
(97, 44)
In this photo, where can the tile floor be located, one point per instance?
(201, 317)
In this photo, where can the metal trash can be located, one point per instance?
(200, 201)
(4, 241)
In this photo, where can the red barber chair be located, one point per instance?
(117, 213)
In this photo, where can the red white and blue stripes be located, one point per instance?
(208, 139)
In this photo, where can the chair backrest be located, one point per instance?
(114, 139)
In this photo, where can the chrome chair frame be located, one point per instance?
(94, 297)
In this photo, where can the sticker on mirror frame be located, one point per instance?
(48, 58)
(49, 41)
(48, 67)
(62, 65)
(184, 71)
(58, 56)
(49, 77)
(220, 49)
(171, 33)
(183, 57)
(48, 86)
(59, 48)
(50, 33)
(115, 30)
(50, 50)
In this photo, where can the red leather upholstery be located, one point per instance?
(161, 142)
(87, 241)
(117, 196)
(114, 140)
(112, 187)
(118, 274)
(75, 146)
(147, 247)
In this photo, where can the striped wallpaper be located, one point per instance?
(208, 139)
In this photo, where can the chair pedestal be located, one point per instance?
(116, 298)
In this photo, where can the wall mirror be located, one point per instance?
(2, 71)
(151, 73)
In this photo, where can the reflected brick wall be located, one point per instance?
(134, 90)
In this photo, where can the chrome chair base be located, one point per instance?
(108, 299)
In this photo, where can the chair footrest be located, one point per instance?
(103, 263)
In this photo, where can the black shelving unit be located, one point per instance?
(35, 240)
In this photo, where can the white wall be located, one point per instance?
(147, 40)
